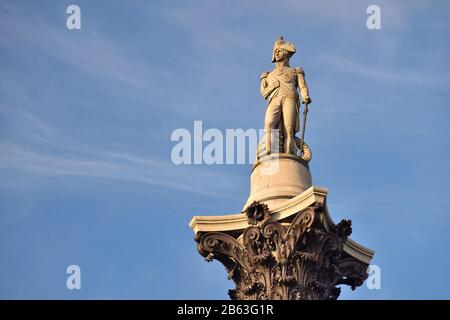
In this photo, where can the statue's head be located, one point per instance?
(282, 50)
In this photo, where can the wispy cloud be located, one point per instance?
(32, 165)
(390, 73)
(91, 52)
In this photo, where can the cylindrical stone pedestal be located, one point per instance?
(277, 178)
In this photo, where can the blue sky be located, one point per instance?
(86, 117)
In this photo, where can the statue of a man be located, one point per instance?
(279, 87)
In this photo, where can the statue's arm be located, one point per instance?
(304, 92)
(267, 87)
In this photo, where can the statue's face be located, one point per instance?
(280, 54)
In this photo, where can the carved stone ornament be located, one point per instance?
(257, 213)
(292, 260)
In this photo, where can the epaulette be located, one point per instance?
(264, 75)
(299, 71)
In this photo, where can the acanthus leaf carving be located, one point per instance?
(296, 260)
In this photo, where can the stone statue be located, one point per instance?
(283, 244)
(279, 87)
